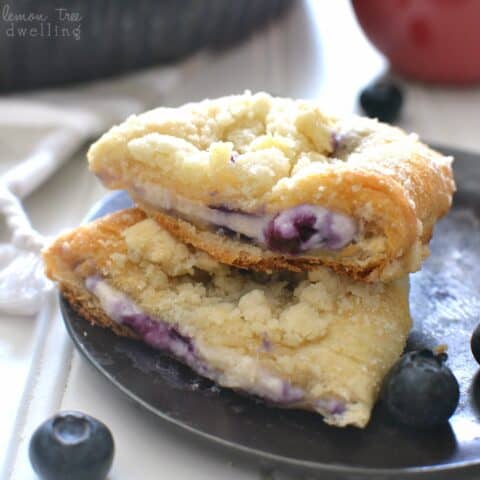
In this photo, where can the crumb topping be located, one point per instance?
(253, 149)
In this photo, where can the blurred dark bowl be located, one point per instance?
(42, 46)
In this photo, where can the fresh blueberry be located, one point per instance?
(420, 391)
(382, 100)
(73, 446)
(475, 343)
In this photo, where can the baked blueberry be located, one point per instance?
(475, 343)
(382, 100)
(304, 227)
(287, 233)
(71, 445)
(420, 390)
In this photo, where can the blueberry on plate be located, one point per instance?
(420, 390)
(475, 343)
(382, 100)
(73, 446)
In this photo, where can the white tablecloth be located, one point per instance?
(317, 52)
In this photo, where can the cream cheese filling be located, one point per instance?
(298, 229)
(240, 372)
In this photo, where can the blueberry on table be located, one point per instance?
(475, 343)
(382, 100)
(420, 390)
(73, 446)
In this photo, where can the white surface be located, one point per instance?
(317, 52)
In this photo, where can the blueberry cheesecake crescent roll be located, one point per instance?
(272, 183)
(312, 340)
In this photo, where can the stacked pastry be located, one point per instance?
(269, 249)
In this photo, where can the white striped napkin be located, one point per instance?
(55, 124)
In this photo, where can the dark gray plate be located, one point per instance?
(445, 300)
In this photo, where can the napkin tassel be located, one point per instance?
(22, 283)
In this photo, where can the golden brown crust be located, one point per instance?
(245, 255)
(395, 187)
(74, 249)
(88, 307)
(69, 260)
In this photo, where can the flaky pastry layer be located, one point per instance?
(262, 155)
(316, 341)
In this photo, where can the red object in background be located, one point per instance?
(430, 40)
